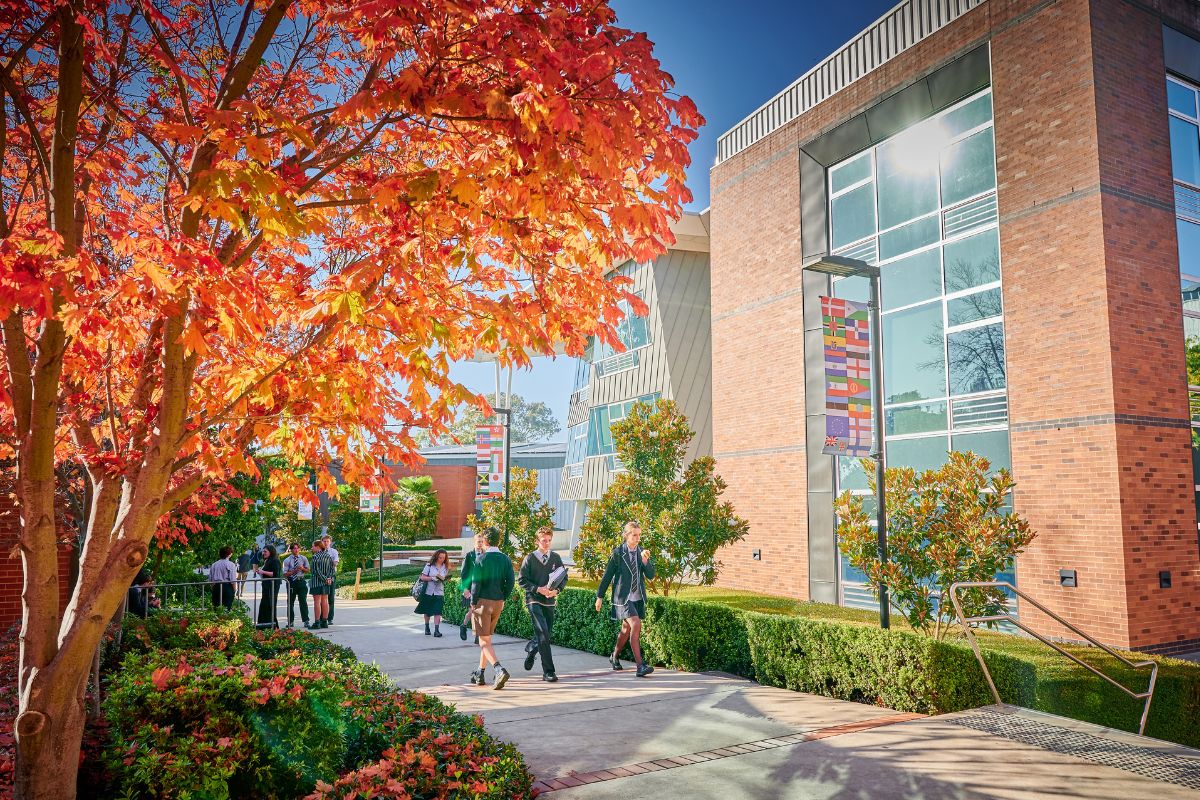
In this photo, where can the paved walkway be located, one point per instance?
(600, 734)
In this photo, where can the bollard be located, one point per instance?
(357, 580)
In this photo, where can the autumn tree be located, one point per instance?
(228, 224)
(684, 521)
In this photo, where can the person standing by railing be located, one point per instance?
(295, 571)
(245, 564)
(323, 572)
(223, 574)
(333, 554)
(269, 576)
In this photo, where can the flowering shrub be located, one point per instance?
(437, 765)
(187, 630)
(273, 642)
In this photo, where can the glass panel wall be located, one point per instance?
(1185, 165)
(922, 205)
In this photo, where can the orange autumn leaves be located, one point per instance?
(293, 218)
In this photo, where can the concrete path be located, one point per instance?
(600, 734)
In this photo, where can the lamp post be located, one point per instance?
(841, 266)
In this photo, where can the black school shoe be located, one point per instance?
(462, 631)
(616, 662)
(500, 679)
(643, 670)
(477, 678)
(530, 655)
(550, 677)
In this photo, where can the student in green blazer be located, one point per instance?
(628, 568)
(464, 580)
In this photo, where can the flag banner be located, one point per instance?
(368, 503)
(846, 325)
(489, 462)
(304, 510)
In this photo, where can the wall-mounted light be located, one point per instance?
(1068, 578)
(756, 555)
(1164, 579)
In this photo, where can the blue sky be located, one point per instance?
(729, 58)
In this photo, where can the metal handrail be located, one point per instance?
(1148, 695)
(204, 587)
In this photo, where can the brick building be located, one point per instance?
(1027, 175)
(12, 577)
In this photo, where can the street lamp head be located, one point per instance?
(842, 267)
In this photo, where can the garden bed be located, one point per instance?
(199, 704)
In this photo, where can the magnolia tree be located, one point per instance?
(944, 525)
(684, 522)
(227, 224)
(519, 514)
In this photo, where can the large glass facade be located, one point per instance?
(1183, 102)
(600, 439)
(922, 205)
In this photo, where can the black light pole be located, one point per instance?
(841, 266)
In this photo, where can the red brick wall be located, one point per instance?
(455, 487)
(11, 577)
(1097, 393)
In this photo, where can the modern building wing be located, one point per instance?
(666, 355)
(1027, 176)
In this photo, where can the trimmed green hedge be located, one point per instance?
(842, 653)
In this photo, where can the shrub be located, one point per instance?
(519, 514)
(683, 520)
(432, 765)
(412, 511)
(200, 628)
(271, 727)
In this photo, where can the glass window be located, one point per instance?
(576, 443)
(1189, 246)
(924, 418)
(1191, 295)
(914, 366)
(852, 289)
(920, 454)
(910, 237)
(1181, 98)
(850, 172)
(599, 434)
(583, 372)
(972, 261)
(967, 116)
(976, 359)
(908, 182)
(1185, 151)
(853, 215)
(992, 445)
(973, 307)
(968, 168)
(913, 279)
(851, 474)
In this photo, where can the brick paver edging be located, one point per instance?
(581, 778)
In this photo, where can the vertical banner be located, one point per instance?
(489, 462)
(304, 510)
(846, 325)
(368, 503)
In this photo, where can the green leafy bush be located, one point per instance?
(199, 628)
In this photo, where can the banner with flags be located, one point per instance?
(490, 469)
(304, 510)
(368, 503)
(846, 328)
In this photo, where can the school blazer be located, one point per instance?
(622, 577)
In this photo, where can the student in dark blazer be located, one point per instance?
(542, 576)
(628, 568)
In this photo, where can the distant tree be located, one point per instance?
(355, 534)
(944, 525)
(531, 422)
(412, 511)
(684, 523)
(519, 515)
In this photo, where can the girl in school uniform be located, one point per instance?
(628, 568)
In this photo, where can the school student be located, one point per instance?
(464, 581)
(628, 567)
(542, 577)
(492, 580)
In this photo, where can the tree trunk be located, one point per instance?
(49, 735)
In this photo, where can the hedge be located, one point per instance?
(846, 657)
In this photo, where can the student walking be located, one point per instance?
(542, 577)
(434, 575)
(492, 581)
(269, 575)
(223, 574)
(323, 572)
(628, 567)
(333, 554)
(295, 571)
(464, 581)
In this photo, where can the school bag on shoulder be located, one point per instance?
(419, 586)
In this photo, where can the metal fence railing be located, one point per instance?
(256, 593)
